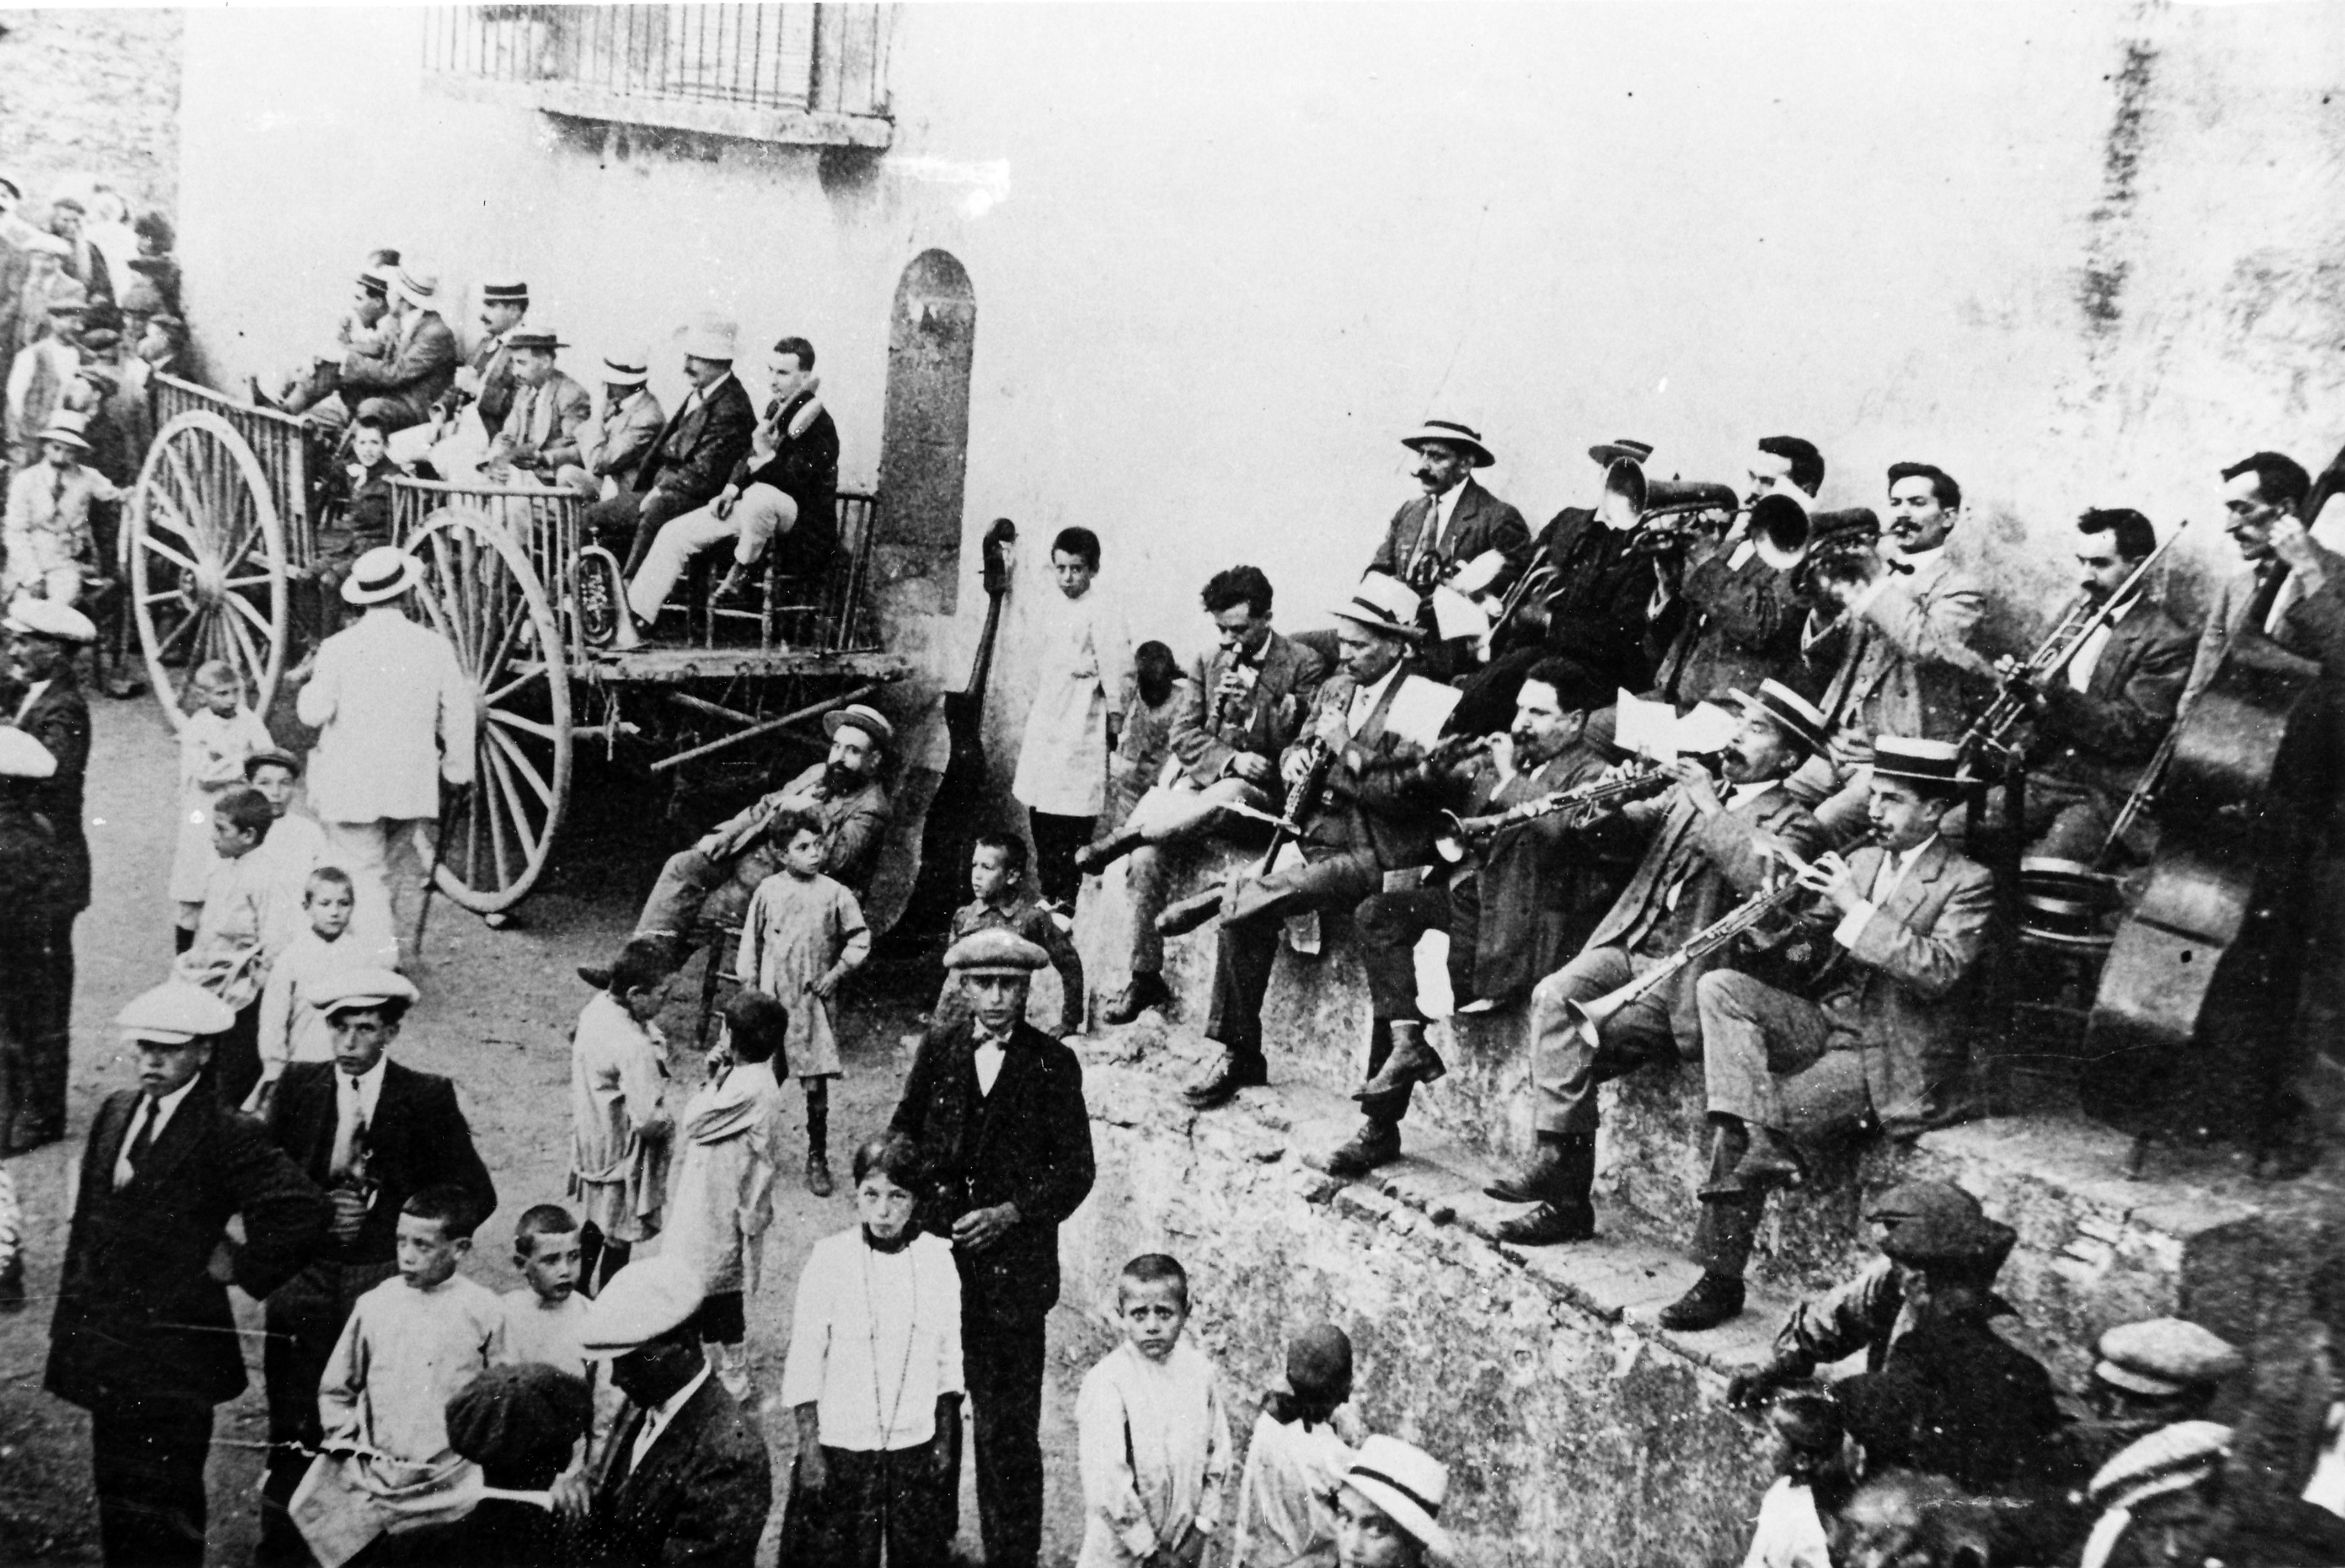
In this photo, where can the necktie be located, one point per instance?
(2268, 578)
(58, 493)
(1430, 538)
(350, 1134)
(142, 1139)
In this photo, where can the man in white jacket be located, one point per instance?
(396, 717)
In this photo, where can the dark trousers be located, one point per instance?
(1247, 945)
(631, 520)
(1002, 1357)
(1056, 840)
(146, 1458)
(872, 1499)
(304, 1317)
(1389, 926)
(595, 1248)
(236, 1060)
(41, 1019)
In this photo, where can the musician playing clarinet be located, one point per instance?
(1513, 909)
(1871, 1041)
(1245, 705)
(2099, 719)
(1701, 846)
(1379, 810)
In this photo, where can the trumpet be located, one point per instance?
(1667, 514)
(1792, 539)
(1460, 836)
(1729, 928)
(2062, 644)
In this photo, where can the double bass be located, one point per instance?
(2197, 996)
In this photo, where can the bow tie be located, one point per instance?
(1901, 567)
(999, 1042)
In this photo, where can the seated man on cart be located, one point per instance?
(711, 883)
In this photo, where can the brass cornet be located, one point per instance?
(1666, 513)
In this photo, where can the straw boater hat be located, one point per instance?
(534, 338)
(379, 278)
(994, 951)
(1382, 603)
(1451, 433)
(648, 1299)
(2165, 1357)
(47, 618)
(1789, 712)
(504, 293)
(418, 287)
(22, 757)
(627, 368)
(353, 988)
(382, 574)
(1936, 763)
(709, 336)
(173, 1013)
(1605, 453)
(868, 719)
(68, 428)
(1410, 1485)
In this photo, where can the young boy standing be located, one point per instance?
(1296, 1458)
(1083, 654)
(216, 740)
(620, 1121)
(1154, 1440)
(543, 1318)
(997, 875)
(725, 1170)
(238, 931)
(410, 1344)
(802, 935)
(291, 1028)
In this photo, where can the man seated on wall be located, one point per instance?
(2100, 720)
(1455, 522)
(1510, 918)
(782, 495)
(1723, 618)
(1706, 847)
(712, 882)
(615, 445)
(547, 408)
(1367, 740)
(417, 363)
(708, 435)
(1245, 706)
(1867, 1031)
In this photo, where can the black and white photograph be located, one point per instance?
(1174, 784)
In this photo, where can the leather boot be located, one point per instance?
(1375, 1144)
(1144, 992)
(1412, 1062)
(1715, 1298)
(1767, 1163)
(1532, 1181)
(1093, 858)
(1564, 1211)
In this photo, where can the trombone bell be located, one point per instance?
(1780, 528)
(1590, 1016)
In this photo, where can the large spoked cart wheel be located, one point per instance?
(207, 562)
(482, 594)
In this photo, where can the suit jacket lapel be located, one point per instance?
(1461, 517)
(178, 1138)
(1373, 730)
(1907, 896)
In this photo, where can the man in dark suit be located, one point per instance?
(997, 1107)
(709, 433)
(369, 1132)
(1245, 704)
(1704, 851)
(2293, 591)
(1883, 1045)
(143, 1339)
(417, 361)
(489, 377)
(2101, 718)
(683, 1477)
(1367, 734)
(1453, 522)
(1727, 620)
(45, 638)
(782, 495)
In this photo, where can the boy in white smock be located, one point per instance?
(1155, 1439)
(1294, 1463)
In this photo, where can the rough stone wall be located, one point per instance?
(93, 95)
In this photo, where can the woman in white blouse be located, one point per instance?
(874, 1379)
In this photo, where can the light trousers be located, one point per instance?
(1768, 1058)
(761, 513)
(1565, 1068)
(1178, 812)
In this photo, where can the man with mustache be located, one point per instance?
(1455, 521)
(1510, 919)
(711, 882)
(2293, 591)
(1705, 849)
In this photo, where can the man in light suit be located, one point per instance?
(417, 361)
(613, 447)
(44, 639)
(1704, 851)
(684, 1478)
(547, 409)
(1377, 814)
(1882, 1046)
(1246, 703)
(1455, 521)
(1724, 619)
(369, 1132)
(2293, 591)
(396, 718)
(709, 433)
(2101, 718)
(143, 1339)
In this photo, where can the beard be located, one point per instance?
(841, 781)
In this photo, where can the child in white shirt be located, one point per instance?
(1294, 1463)
(1813, 1484)
(239, 930)
(1154, 1440)
(291, 1027)
(213, 745)
(543, 1318)
(874, 1379)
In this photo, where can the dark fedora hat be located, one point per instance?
(1605, 453)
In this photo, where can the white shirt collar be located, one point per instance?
(989, 1059)
(656, 1419)
(31, 696)
(368, 1085)
(1365, 698)
(1921, 560)
(161, 1111)
(1445, 506)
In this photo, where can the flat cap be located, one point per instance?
(48, 618)
(995, 951)
(173, 1013)
(1937, 1225)
(2167, 1460)
(2166, 1355)
(643, 1301)
(272, 758)
(22, 757)
(349, 988)
(523, 1417)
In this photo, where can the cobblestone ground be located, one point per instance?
(496, 1017)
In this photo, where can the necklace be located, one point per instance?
(871, 1338)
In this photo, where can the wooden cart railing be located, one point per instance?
(544, 523)
(280, 441)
